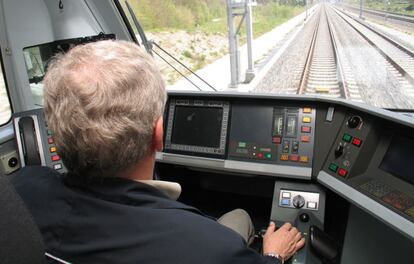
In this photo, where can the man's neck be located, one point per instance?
(143, 171)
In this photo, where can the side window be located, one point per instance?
(5, 110)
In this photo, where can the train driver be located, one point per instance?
(104, 102)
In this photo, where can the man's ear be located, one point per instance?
(158, 135)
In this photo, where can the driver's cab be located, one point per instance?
(339, 171)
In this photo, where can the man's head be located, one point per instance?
(103, 101)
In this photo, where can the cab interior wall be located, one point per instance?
(46, 22)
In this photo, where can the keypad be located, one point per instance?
(376, 188)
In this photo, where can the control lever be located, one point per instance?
(302, 222)
(323, 245)
(339, 150)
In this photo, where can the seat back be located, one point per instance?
(20, 239)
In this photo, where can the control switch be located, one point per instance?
(354, 121)
(339, 151)
(298, 201)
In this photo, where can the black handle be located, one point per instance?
(28, 137)
(323, 245)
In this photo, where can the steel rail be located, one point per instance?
(400, 69)
(307, 71)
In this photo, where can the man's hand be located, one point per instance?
(285, 241)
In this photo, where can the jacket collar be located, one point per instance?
(123, 191)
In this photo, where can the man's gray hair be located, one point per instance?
(102, 101)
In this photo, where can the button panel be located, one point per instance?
(309, 200)
(396, 199)
(347, 147)
(290, 141)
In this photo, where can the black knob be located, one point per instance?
(354, 121)
(304, 217)
(13, 162)
(339, 151)
(298, 201)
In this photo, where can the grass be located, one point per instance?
(402, 7)
(207, 16)
(265, 18)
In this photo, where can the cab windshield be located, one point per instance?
(363, 53)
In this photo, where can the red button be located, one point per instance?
(260, 155)
(277, 140)
(342, 172)
(305, 138)
(55, 158)
(50, 140)
(357, 142)
(294, 157)
(306, 129)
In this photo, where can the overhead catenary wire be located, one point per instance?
(149, 47)
(172, 66)
(183, 65)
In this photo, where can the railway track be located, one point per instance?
(399, 59)
(322, 73)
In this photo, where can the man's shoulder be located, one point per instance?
(35, 175)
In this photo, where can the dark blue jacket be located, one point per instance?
(114, 220)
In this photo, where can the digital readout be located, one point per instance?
(278, 125)
(291, 126)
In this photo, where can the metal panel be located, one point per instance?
(236, 166)
(384, 214)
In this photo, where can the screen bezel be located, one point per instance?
(192, 149)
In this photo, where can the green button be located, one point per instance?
(242, 144)
(49, 132)
(333, 167)
(268, 155)
(347, 137)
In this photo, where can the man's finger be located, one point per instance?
(271, 228)
(298, 237)
(293, 231)
(300, 244)
(287, 226)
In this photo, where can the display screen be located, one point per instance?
(197, 126)
(399, 158)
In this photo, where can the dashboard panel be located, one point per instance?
(359, 152)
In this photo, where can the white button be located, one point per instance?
(285, 194)
(57, 166)
(312, 205)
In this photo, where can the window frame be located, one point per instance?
(6, 85)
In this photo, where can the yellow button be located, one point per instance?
(410, 211)
(284, 157)
(306, 119)
(307, 110)
(304, 159)
(52, 149)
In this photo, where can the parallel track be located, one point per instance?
(400, 59)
